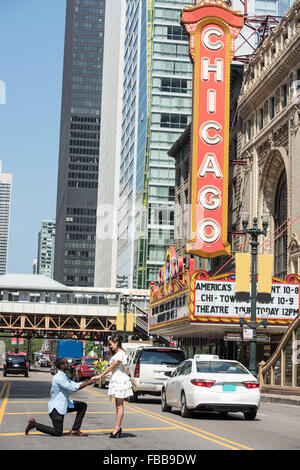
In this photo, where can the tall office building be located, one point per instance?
(156, 108)
(46, 247)
(110, 145)
(34, 266)
(5, 208)
(79, 143)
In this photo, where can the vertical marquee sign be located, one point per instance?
(212, 27)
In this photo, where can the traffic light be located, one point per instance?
(242, 277)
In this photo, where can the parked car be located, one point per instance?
(44, 362)
(86, 368)
(15, 364)
(37, 356)
(211, 384)
(149, 367)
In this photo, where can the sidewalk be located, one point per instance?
(284, 399)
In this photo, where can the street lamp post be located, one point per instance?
(125, 301)
(254, 233)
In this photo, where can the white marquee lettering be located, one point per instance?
(211, 101)
(214, 46)
(203, 233)
(204, 132)
(210, 165)
(208, 68)
(212, 202)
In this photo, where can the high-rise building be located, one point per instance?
(46, 247)
(156, 108)
(5, 208)
(79, 143)
(34, 266)
(110, 146)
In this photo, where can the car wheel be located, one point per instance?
(133, 398)
(250, 415)
(223, 413)
(184, 411)
(164, 403)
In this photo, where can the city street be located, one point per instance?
(145, 427)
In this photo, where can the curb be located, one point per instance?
(281, 399)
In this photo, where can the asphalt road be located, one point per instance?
(145, 426)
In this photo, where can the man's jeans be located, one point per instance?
(58, 420)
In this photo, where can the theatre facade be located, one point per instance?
(200, 311)
(194, 300)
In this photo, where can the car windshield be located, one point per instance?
(162, 356)
(16, 358)
(220, 367)
(89, 362)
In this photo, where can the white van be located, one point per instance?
(149, 367)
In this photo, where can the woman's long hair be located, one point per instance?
(118, 340)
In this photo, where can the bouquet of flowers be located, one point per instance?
(100, 365)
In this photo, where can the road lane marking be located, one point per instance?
(5, 400)
(198, 429)
(2, 389)
(165, 428)
(45, 412)
(191, 429)
(30, 402)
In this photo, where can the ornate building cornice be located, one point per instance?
(267, 69)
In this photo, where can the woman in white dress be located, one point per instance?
(119, 384)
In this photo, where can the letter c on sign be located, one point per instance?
(204, 132)
(204, 234)
(214, 46)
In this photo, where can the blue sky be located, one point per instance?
(31, 65)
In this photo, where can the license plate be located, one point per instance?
(229, 388)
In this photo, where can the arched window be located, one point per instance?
(280, 216)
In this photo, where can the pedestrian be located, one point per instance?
(119, 385)
(60, 404)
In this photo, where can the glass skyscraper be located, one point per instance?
(156, 110)
(79, 143)
(5, 207)
(45, 251)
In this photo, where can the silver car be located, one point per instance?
(149, 368)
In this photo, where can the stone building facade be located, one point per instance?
(268, 142)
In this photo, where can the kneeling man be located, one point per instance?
(60, 404)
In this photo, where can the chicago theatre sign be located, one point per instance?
(213, 28)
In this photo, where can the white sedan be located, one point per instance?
(211, 384)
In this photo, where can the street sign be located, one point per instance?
(247, 333)
(237, 336)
